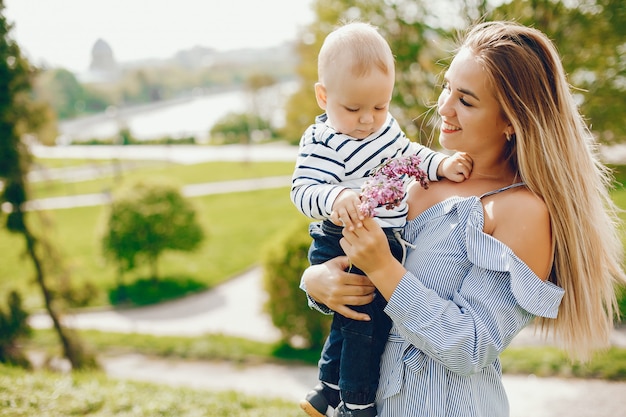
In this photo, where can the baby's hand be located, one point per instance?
(346, 210)
(457, 167)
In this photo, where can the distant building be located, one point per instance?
(103, 67)
(102, 59)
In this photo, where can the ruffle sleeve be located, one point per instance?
(538, 297)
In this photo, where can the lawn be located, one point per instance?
(112, 173)
(237, 226)
(49, 394)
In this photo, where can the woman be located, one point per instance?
(530, 234)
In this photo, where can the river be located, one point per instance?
(192, 116)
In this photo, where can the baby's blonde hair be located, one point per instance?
(358, 45)
(553, 152)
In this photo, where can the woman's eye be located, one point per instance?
(465, 103)
(445, 86)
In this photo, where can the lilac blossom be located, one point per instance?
(385, 187)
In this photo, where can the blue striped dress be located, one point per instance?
(464, 299)
(329, 162)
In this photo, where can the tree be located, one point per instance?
(146, 219)
(590, 36)
(18, 115)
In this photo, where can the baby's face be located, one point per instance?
(357, 106)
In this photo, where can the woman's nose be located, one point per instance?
(443, 105)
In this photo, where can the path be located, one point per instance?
(234, 308)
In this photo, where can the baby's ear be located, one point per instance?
(320, 95)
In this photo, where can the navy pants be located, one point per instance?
(351, 354)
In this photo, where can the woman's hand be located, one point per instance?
(367, 247)
(329, 284)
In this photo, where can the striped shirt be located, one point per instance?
(329, 162)
(464, 298)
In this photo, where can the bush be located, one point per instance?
(13, 327)
(284, 262)
(242, 128)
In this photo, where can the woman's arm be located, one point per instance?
(330, 285)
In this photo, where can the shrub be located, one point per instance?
(284, 262)
(13, 327)
(243, 128)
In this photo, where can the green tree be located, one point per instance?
(589, 34)
(19, 115)
(591, 38)
(145, 220)
(64, 93)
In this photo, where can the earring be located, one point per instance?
(509, 136)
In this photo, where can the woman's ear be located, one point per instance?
(320, 95)
(509, 132)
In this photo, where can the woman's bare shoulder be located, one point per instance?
(521, 220)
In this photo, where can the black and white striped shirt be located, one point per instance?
(329, 162)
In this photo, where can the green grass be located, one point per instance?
(238, 226)
(207, 347)
(548, 361)
(542, 361)
(47, 394)
(130, 171)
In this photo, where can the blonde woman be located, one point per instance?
(531, 234)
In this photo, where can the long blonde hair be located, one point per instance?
(553, 152)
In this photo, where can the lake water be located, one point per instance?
(192, 116)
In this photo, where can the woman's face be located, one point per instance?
(471, 118)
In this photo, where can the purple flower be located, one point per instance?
(385, 187)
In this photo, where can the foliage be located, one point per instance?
(18, 116)
(146, 219)
(240, 128)
(13, 327)
(66, 95)
(588, 34)
(284, 262)
(147, 291)
(49, 394)
(590, 38)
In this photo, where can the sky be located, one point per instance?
(61, 33)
